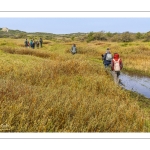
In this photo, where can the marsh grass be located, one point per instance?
(136, 59)
(26, 51)
(64, 93)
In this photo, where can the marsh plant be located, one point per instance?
(50, 90)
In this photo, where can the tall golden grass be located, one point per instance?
(50, 90)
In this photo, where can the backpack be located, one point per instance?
(108, 56)
(116, 65)
(74, 50)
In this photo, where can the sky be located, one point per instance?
(67, 25)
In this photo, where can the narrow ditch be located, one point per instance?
(136, 84)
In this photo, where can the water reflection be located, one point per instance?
(140, 85)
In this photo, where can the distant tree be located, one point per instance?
(22, 35)
(90, 37)
(108, 34)
(139, 35)
(147, 37)
(100, 36)
(116, 37)
(126, 37)
(72, 38)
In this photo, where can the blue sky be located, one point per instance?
(74, 25)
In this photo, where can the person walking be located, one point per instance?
(107, 58)
(37, 44)
(41, 42)
(31, 43)
(73, 49)
(116, 67)
(26, 43)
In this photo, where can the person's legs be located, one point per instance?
(118, 73)
(114, 73)
(106, 65)
(116, 76)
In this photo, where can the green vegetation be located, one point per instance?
(86, 37)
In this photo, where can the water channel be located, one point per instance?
(140, 85)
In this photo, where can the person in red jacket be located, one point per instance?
(116, 66)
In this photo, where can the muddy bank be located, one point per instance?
(137, 84)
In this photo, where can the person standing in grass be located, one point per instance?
(26, 43)
(31, 44)
(116, 66)
(73, 49)
(37, 44)
(41, 42)
(107, 58)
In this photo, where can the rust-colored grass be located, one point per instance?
(64, 92)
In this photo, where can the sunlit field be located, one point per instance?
(50, 90)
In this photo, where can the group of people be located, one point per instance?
(33, 43)
(114, 63)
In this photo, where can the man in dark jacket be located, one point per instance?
(41, 42)
(26, 43)
(107, 58)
